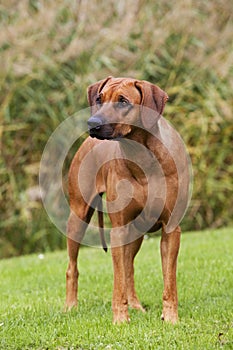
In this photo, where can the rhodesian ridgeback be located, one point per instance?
(136, 158)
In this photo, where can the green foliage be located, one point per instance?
(51, 52)
(33, 293)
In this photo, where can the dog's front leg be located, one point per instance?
(131, 250)
(169, 247)
(119, 299)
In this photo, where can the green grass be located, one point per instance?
(33, 291)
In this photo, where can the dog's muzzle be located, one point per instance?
(97, 128)
(94, 126)
(94, 123)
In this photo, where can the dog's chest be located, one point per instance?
(128, 185)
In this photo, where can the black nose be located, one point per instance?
(94, 123)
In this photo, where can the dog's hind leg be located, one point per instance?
(73, 244)
(76, 228)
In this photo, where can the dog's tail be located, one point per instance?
(101, 224)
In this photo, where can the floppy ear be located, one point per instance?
(153, 99)
(93, 90)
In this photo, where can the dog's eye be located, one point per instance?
(123, 102)
(98, 100)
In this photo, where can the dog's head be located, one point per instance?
(118, 105)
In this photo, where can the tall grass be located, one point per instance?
(51, 51)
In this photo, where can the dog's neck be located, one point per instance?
(137, 149)
(143, 136)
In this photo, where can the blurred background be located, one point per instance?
(50, 51)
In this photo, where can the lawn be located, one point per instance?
(33, 291)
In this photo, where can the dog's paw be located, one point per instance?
(137, 306)
(120, 320)
(70, 306)
(170, 317)
(121, 317)
(134, 303)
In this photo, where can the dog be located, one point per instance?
(138, 160)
